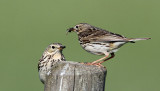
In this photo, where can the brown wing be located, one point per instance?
(99, 35)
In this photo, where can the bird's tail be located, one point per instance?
(137, 39)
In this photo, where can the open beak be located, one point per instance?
(69, 30)
(61, 47)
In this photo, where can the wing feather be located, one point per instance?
(95, 34)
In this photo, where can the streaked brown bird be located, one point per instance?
(51, 55)
(99, 41)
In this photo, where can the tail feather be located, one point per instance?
(137, 39)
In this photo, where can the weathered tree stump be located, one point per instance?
(73, 76)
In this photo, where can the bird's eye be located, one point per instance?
(53, 47)
(76, 26)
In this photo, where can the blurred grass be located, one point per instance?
(27, 27)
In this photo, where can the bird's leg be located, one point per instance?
(112, 55)
(100, 59)
(95, 62)
(100, 63)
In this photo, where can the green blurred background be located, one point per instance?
(27, 27)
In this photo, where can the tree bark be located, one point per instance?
(73, 76)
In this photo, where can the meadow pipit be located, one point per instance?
(51, 55)
(99, 41)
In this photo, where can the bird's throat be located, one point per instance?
(58, 55)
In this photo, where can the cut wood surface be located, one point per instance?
(73, 76)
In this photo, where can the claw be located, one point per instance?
(83, 62)
(87, 63)
(96, 64)
(99, 65)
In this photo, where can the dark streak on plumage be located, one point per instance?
(92, 33)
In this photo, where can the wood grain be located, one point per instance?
(73, 76)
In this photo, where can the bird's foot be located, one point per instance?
(86, 63)
(96, 64)
(99, 65)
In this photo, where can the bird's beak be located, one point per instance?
(69, 30)
(61, 47)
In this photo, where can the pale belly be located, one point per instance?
(102, 49)
(96, 49)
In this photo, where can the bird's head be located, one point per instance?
(79, 28)
(54, 48)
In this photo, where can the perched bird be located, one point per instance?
(51, 55)
(99, 41)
